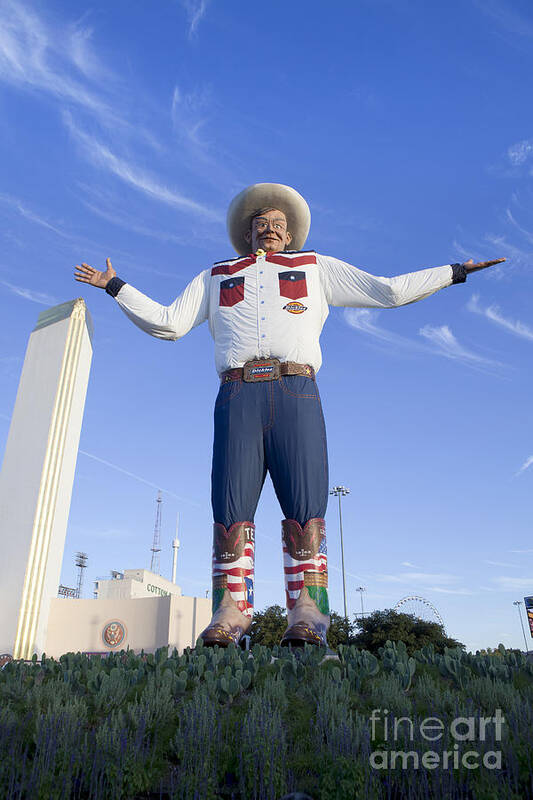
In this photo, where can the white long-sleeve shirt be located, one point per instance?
(273, 305)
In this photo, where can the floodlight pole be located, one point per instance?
(362, 589)
(340, 491)
(518, 603)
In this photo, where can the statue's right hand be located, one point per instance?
(87, 274)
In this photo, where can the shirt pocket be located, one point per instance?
(231, 292)
(292, 284)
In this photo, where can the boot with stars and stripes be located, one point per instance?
(305, 563)
(233, 583)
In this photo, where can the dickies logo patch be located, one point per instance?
(295, 308)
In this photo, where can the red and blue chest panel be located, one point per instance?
(231, 291)
(291, 280)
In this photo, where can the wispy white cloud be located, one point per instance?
(506, 16)
(189, 113)
(29, 294)
(83, 55)
(529, 551)
(336, 568)
(106, 203)
(127, 222)
(33, 55)
(508, 584)
(176, 100)
(493, 246)
(499, 563)
(494, 314)
(81, 243)
(442, 340)
(30, 215)
(196, 10)
(418, 577)
(365, 321)
(59, 61)
(520, 152)
(463, 252)
(511, 218)
(506, 249)
(9, 367)
(139, 478)
(8, 360)
(447, 345)
(442, 590)
(408, 564)
(135, 176)
(527, 463)
(112, 534)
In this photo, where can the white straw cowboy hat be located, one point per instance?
(268, 195)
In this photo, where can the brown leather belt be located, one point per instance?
(266, 369)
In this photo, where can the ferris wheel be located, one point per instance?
(419, 607)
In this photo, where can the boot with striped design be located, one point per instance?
(233, 583)
(305, 563)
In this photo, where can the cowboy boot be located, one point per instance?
(233, 584)
(305, 564)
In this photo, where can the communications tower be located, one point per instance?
(156, 544)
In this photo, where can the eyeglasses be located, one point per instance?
(260, 224)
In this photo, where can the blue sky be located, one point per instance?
(125, 132)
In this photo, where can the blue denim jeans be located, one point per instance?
(276, 426)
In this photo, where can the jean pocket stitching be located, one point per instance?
(235, 390)
(285, 389)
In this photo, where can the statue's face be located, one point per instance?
(269, 232)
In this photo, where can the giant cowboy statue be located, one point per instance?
(266, 309)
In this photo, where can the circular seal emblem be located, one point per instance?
(5, 658)
(114, 633)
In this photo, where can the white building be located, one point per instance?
(137, 609)
(133, 583)
(38, 473)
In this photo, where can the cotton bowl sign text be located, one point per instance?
(156, 590)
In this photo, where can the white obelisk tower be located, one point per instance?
(38, 473)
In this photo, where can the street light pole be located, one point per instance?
(518, 603)
(340, 491)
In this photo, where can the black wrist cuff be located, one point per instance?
(114, 286)
(458, 273)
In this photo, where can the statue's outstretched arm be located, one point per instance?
(346, 285)
(172, 322)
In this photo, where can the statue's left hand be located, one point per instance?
(471, 267)
(95, 277)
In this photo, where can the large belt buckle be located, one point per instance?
(264, 369)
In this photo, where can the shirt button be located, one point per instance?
(262, 301)
(262, 336)
(260, 271)
(261, 286)
(263, 318)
